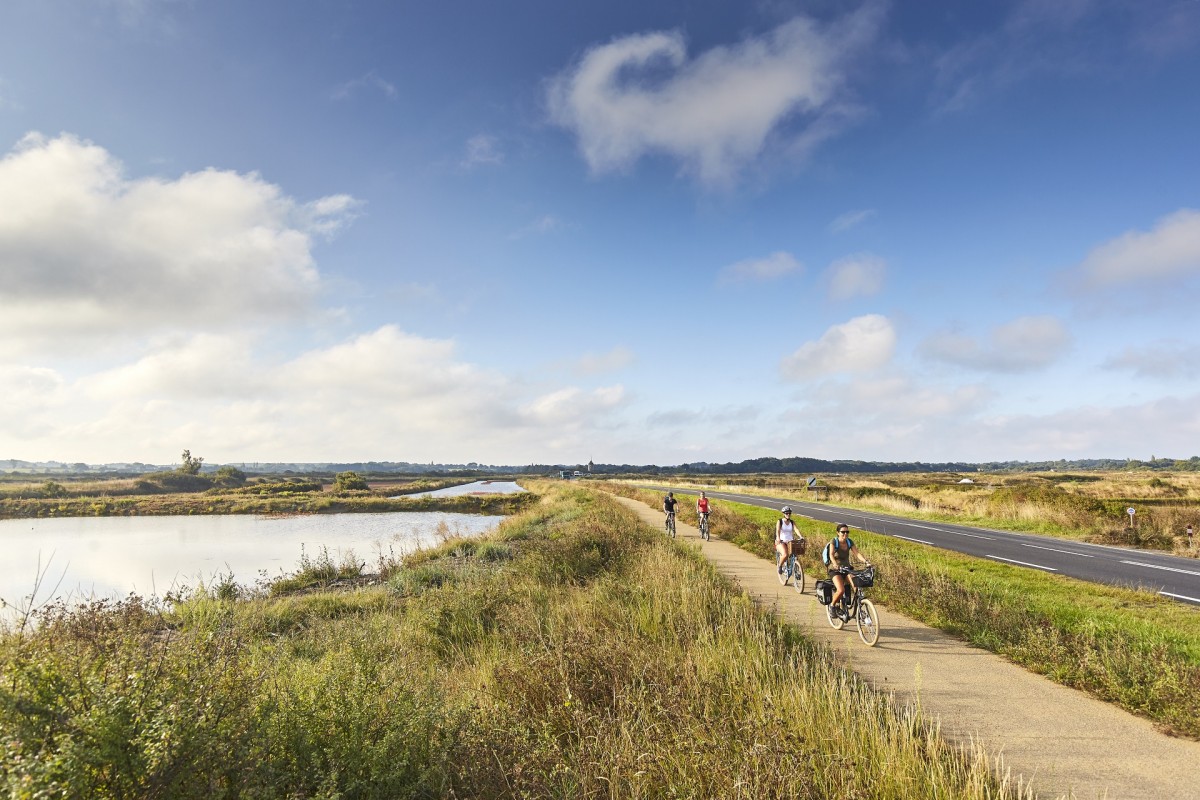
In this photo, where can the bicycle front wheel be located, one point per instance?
(798, 583)
(868, 623)
(671, 527)
(704, 529)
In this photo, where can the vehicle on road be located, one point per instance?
(853, 604)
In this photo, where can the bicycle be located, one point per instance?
(670, 524)
(704, 527)
(853, 602)
(793, 569)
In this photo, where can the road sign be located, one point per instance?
(812, 480)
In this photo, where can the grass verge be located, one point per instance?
(573, 653)
(1124, 646)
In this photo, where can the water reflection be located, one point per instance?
(478, 487)
(112, 556)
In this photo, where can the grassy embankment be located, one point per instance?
(551, 659)
(170, 493)
(1084, 506)
(1131, 648)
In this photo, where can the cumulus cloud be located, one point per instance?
(385, 394)
(774, 266)
(573, 406)
(1170, 251)
(860, 345)
(1165, 360)
(850, 219)
(86, 251)
(859, 275)
(1023, 345)
(714, 112)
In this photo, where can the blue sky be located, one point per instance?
(632, 232)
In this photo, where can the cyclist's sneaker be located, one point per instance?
(780, 570)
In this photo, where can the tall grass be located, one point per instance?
(1124, 646)
(1089, 507)
(573, 653)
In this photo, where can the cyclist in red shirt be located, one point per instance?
(702, 506)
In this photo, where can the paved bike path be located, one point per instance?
(1062, 742)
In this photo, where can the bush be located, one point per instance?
(230, 476)
(349, 482)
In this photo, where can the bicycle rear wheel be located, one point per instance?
(785, 574)
(868, 623)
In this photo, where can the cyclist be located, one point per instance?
(702, 507)
(841, 549)
(787, 537)
(669, 503)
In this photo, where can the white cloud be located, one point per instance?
(850, 219)
(774, 266)
(859, 345)
(385, 394)
(1165, 360)
(572, 406)
(370, 80)
(715, 112)
(1171, 250)
(1023, 345)
(86, 253)
(616, 359)
(203, 366)
(859, 275)
(547, 223)
(482, 150)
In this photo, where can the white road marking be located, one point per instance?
(1022, 563)
(960, 533)
(1056, 550)
(1156, 566)
(1181, 597)
(910, 539)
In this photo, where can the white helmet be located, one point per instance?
(785, 510)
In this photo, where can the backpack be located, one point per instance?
(827, 551)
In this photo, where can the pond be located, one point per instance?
(478, 487)
(85, 557)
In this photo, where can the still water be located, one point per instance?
(85, 557)
(478, 487)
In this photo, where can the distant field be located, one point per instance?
(1087, 506)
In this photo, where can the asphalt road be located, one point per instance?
(1170, 576)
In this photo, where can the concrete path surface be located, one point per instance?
(1062, 742)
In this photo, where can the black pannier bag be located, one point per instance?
(824, 592)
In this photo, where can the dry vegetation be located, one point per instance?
(1085, 506)
(550, 660)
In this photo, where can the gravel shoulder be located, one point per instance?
(1062, 742)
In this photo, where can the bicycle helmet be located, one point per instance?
(785, 510)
